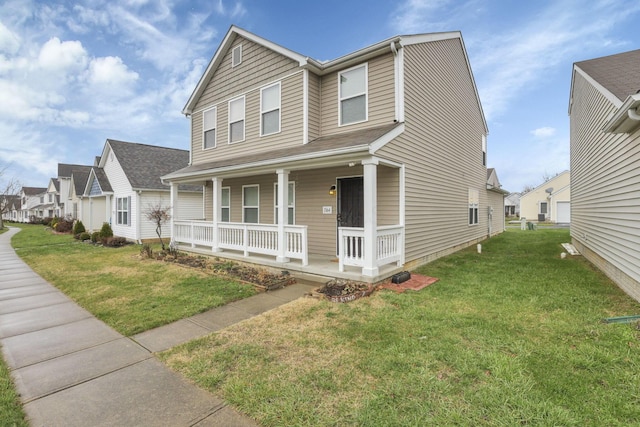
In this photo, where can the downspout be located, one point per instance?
(633, 114)
(138, 217)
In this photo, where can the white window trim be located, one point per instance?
(290, 206)
(540, 208)
(244, 118)
(128, 211)
(474, 203)
(227, 206)
(215, 127)
(246, 206)
(365, 93)
(484, 150)
(233, 55)
(279, 108)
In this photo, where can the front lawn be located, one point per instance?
(511, 336)
(128, 293)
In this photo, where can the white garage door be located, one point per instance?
(564, 212)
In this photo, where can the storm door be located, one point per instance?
(351, 205)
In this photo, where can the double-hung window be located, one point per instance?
(123, 209)
(236, 120)
(251, 204)
(209, 128)
(291, 203)
(543, 207)
(225, 205)
(353, 95)
(270, 109)
(474, 202)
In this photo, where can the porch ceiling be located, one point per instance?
(325, 150)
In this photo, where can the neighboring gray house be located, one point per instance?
(604, 110)
(357, 167)
(512, 204)
(126, 183)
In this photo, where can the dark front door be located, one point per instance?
(350, 202)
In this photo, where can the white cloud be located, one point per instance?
(9, 41)
(110, 71)
(543, 132)
(68, 56)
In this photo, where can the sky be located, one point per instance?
(75, 73)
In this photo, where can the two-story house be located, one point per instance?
(356, 167)
(32, 203)
(604, 111)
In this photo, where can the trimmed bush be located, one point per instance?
(114, 242)
(106, 231)
(63, 226)
(78, 227)
(95, 237)
(83, 236)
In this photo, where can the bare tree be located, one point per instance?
(8, 193)
(159, 215)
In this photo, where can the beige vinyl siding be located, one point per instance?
(441, 149)
(260, 67)
(530, 202)
(605, 187)
(380, 97)
(496, 201)
(314, 106)
(312, 194)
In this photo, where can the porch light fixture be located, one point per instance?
(332, 190)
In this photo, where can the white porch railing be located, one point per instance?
(248, 238)
(388, 248)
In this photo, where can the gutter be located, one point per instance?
(627, 118)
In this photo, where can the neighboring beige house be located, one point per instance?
(604, 111)
(53, 196)
(550, 201)
(357, 167)
(512, 204)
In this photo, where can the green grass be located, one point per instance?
(512, 336)
(11, 413)
(117, 286)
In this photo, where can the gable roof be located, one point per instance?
(145, 164)
(65, 170)
(324, 67)
(79, 179)
(101, 177)
(619, 73)
(33, 191)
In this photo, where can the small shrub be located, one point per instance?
(114, 242)
(63, 226)
(78, 227)
(106, 231)
(83, 236)
(54, 221)
(95, 237)
(146, 251)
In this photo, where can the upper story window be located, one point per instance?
(474, 203)
(236, 120)
(270, 109)
(353, 95)
(236, 56)
(209, 128)
(484, 150)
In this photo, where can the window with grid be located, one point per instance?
(209, 128)
(225, 205)
(353, 95)
(474, 204)
(251, 204)
(123, 205)
(270, 109)
(236, 120)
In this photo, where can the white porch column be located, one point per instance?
(174, 208)
(283, 209)
(370, 267)
(217, 211)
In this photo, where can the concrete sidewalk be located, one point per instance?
(73, 370)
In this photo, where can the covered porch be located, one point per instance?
(330, 208)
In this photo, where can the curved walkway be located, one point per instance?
(73, 370)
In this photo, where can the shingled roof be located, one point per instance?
(33, 191)
(145, 164)
(105, 185)
(619, 74)
(65, 170)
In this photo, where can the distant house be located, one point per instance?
(68, 204)
(126, 183)
(32, 204)
(356, 167)
(53, 196)
(550, 201)
(10, 205)
(496, 200)
(512, 204)
(604, 111)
